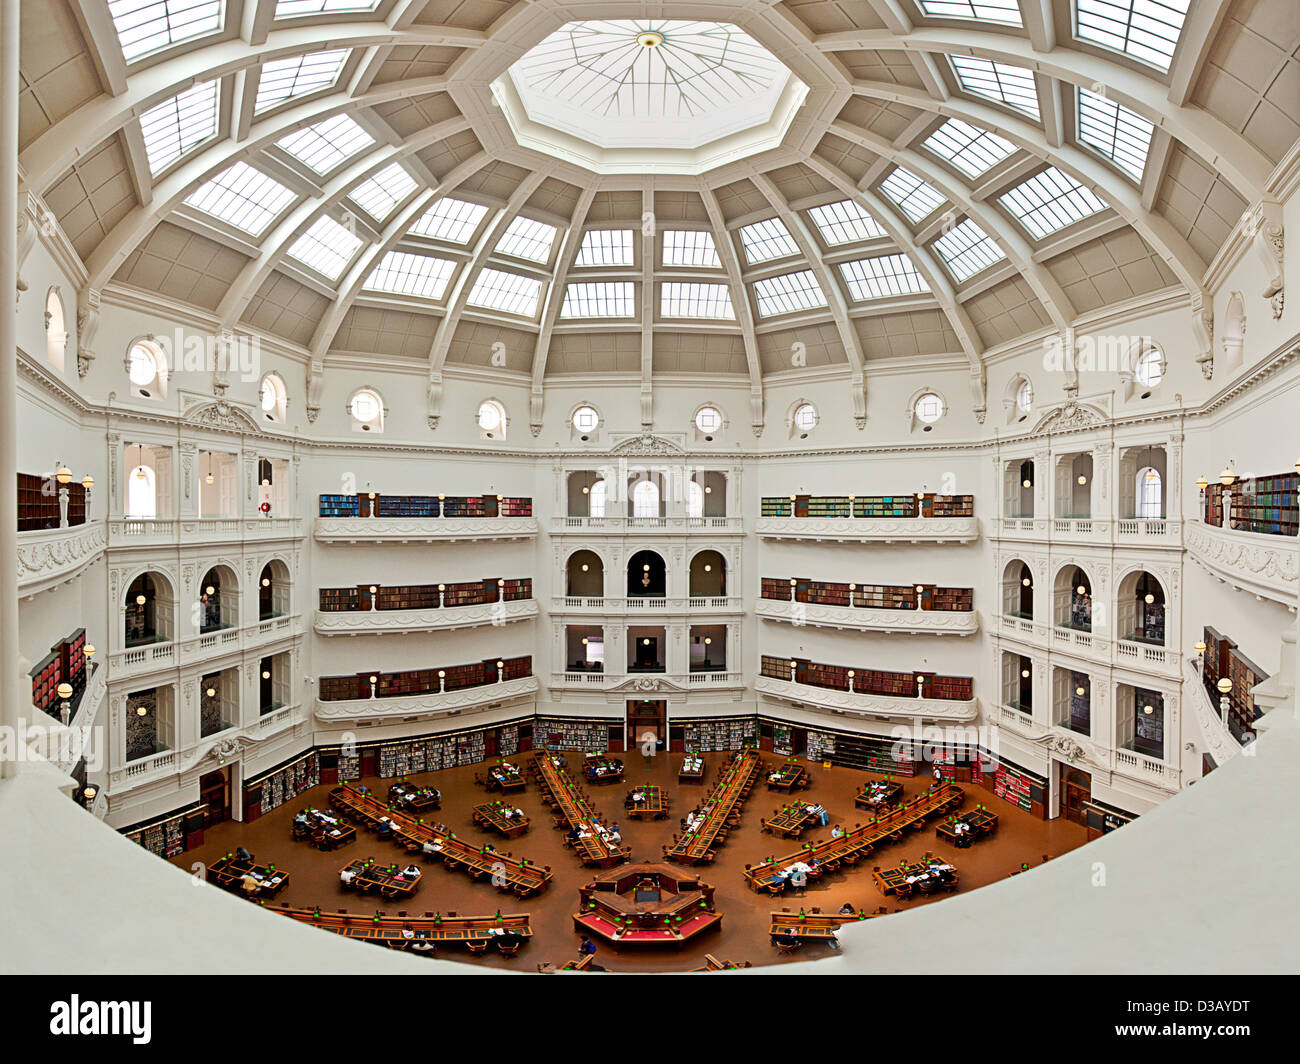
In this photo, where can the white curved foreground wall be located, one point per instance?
(1203, 883)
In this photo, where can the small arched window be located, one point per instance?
(1025, 397)
(56, 332)
(1150, 368)
(146, 366)
(645, 499)
(694, 499)
(596, 499)
(274, 397)
(491, 420)
(367, 411)
(141, 493)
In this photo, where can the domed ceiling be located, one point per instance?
(686, 189)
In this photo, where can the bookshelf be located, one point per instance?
(65, 663)
(869, 681)
(774, 506)
(425, 506)
(508, 740)
(821, 746)
(422, 681)
(424, 596)
(828, 506)
(339, 599)
(719, 734)
(406, 506)
(168, 835)
(1214, 505)
(885, 506)
(285, 783)
(871, 506)
(38, 502)
(947, 505)
(340, 506)
(1013, 787)
(407, 597)
(571, 733)
(341, 688)
(1266, 505)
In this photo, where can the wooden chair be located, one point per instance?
(476, 947)
(789, 947)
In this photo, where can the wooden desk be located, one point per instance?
(653, 804)
(390, 881)
(518, 875)
(600, 769)
(228, 873)
(922, 877)
(791, 821)
(432, 928)
(692, 768)
(412, 799)
(501, 817)
(563, 794)
(789, 775)
(720, 810)
(980, 823)
(326, 832)
(712, 964)
(505, 778)
(853, 846)
(879, 794)
(820, 926)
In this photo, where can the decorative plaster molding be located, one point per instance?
(53, 556)
(939, 709)
(934, 622)
(361, 622)
(421, 529)
(884, 529)
(1264, 566)
(427, 705)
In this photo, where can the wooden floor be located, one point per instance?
(743, 936)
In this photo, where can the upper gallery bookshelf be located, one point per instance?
(1267, 505)
(373, 517)
(922, 516)
(381, 597)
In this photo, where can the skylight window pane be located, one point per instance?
(411, 275)
(1050, 201)
(527, 239)
(145, 26)
(242, 197)
(685, 299)
(690, 247)
(787, 293)
(967, 250)
(882, 277)
(1011, 85)
(380, 194)
(971, 150)
(286, 79)
(451, 220)
(1118, 133)
(605, 247)
(326, 247)
(767, 240)
(326, 144)
(601, 299)
(845, 223)
(292, 8)
(916, 199)
(1144, 29)
(176, 125)
(508, 292)
(1005, 11)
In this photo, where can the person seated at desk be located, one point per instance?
(786, 939)
(837, 832)
(431, 848)
(509, 940)
(847, 909)
(586, 947)
(242, 854)
(575, 833)
(300, 820)
(421, 946)
(613, 835)
(249, 883)
(385, 829)
(772, 777)
(346, 877)
(413, 871)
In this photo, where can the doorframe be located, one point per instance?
(1063, 770)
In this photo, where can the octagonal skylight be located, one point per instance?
(627, 95)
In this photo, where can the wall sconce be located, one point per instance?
(210, 590)
(89, 792)
(1081, 590)
(708, 568)
(584, 567)
(1026, 483)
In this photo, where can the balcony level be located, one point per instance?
(858, 704)
(372, 622)
(428, 705)
(127, 532)
(856, 618)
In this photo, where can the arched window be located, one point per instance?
(274, 397)
(1149, 493)
(694, 499)
(491, 420)
(56, 334)
(1150, 368)
(367, 411)
(596, 499)
(1024, 397)
(141, 493)
(146, 366)
(645, 499)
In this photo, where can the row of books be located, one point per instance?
(423, 596)
(1223, 658)
(431, 754)
(373, 504)
(423, 681)
(286, 783)
(726, 733)
(869, 681)
(924, 504)
(1015, 788)
(65, 663)
(870, 596)
(38, 502)
(1267, 505)
(564, 733)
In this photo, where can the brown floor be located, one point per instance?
(742, 936)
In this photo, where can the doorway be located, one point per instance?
(647, 652)
(646, 723)
(214, 791)
(1075, 794)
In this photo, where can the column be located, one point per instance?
(9, 650)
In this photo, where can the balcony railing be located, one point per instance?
(1146, 769)
(169, 654)
(868, 705)
(1267, 566)
(429, 704)
(677, 523)
(649, 681)
(147, 531)
(936, 622)
(48, 557)
(649, 603)
(421, 529)
(350, 622)
(876, 529)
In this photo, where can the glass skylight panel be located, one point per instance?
(967, 250)
(916, 199)
(686, 299)
(411, 275)
(605, 247)
(882, 277)
(326, 247)
(242, 197)
(326, 144)
(766, 240)
(286, 79)
(787, 293)
(690, 247)
(176, 125)
(1145, 29)
(379, 194)
(1121, 135)
(451, 220)
(1050, 201)
(970, 149)
(1011, 85)
(508, 292)
(599, 299)
(845, 223)
(525, 238)
(1006, 12)
(292, 8)
(145, 26)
